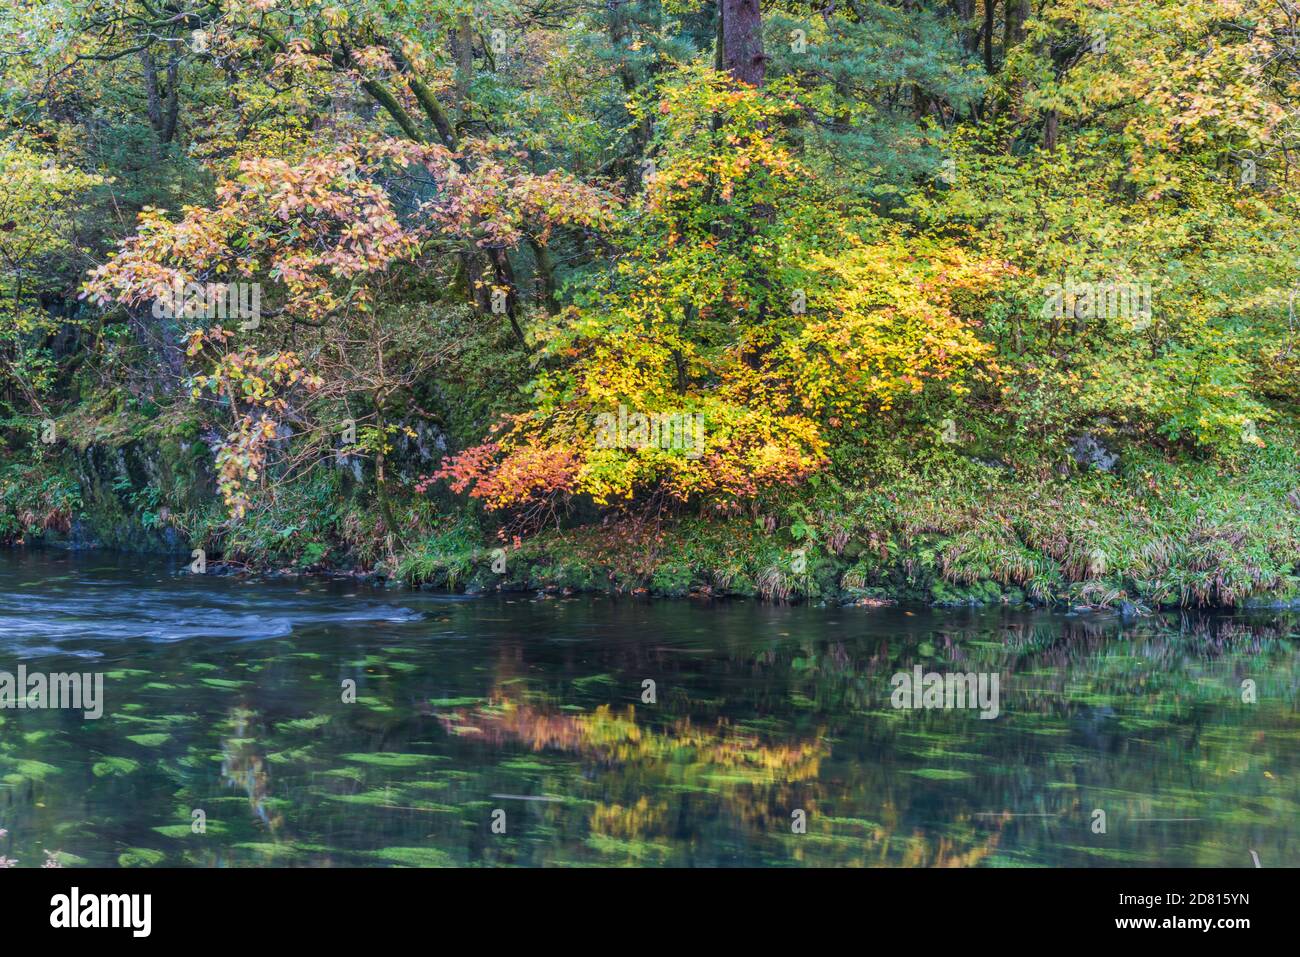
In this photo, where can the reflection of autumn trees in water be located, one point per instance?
(754, 783)
(653, 777)
(243, 766)
(614, 738)
(1094, 712)
(1141, 720)
(759, 712)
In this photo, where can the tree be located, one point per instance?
(325, 237)
(740, 33)
(741, 331)
(37, 205)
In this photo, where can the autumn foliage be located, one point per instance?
(741, 298)
(629, 261)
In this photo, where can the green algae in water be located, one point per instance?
(759, 707)
(140, 857)
(394, 760)
(271, 853)
(186, 831)
(293, 756)
(28, 769)
(68, 859)
(941, 774)
(413, 856)
(224, 683)
(304, 724)
(114, 767)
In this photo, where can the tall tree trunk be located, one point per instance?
(617, 18)
(504, 276)
(546, 275)
(152, 98)
(161, 117)
(173, 108)
(1018, 12)
(381, 486)
(742, 40)
(463, 48)
(1052, 130)
(990, 10)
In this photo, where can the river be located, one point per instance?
(319, 723)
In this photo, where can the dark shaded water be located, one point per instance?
(227, 697)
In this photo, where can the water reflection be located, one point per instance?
(536, 708)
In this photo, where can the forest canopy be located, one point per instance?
(904, 282)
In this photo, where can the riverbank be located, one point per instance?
(1151, 532)
(1158, 538)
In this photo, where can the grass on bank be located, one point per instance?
(950, 528)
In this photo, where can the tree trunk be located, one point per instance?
(381, 486)
(546, 275)
(964, 11)
(990, 8)
(1017, 13)
(163, 113)
(463, 48)
(504, 276)
(173, 109)
(742, 40)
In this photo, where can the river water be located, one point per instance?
(520, 730)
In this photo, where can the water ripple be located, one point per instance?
(36, 623)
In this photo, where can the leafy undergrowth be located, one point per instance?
(35, 500)
(948, 529)
(1158, 533)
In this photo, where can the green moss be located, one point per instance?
(949, 530)
(114, 767)
(413, 857)
(140, 857)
